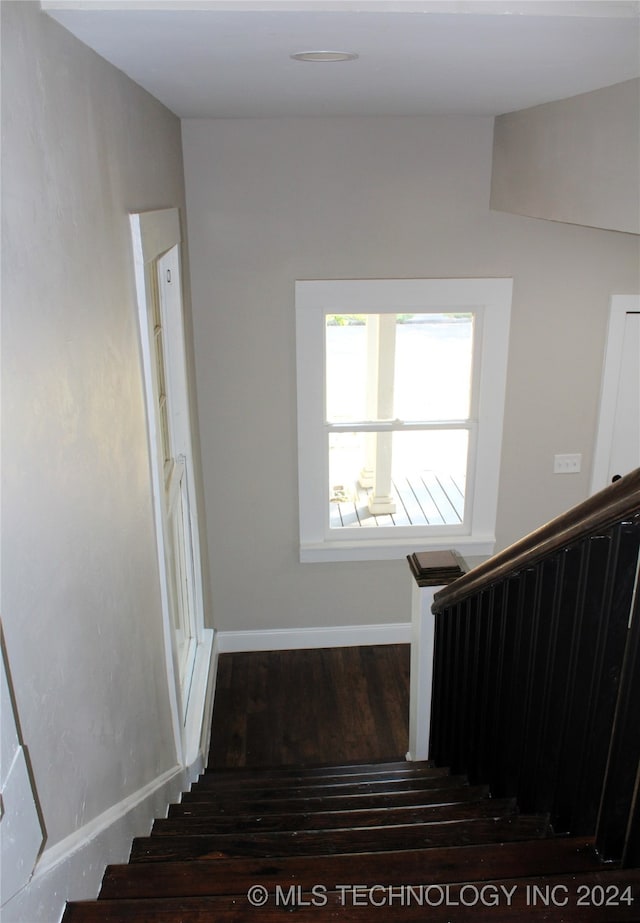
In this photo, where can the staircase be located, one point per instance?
(379, 841)
(536, 695)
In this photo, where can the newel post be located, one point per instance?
(431, 571)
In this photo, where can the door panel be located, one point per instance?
(180, 570)
(171, 389)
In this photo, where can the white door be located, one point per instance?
(168, 367)
(618, 440)
(188, 645)
(625, 443)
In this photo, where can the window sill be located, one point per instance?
(394, 550)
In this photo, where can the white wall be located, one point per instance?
(271, 201)
(575, 160)
(82, 146)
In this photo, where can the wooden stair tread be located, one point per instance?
(322, 842)
(383, 825)
(334, 786)
(440, 796)
(310, 769)
(232, 909)
(310, 799)
(292, 779)
(235, 876)
(330, 820)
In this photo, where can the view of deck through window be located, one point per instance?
(398, 417)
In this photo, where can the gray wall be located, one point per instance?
(81, 147)
(271, 201)
(575, 160)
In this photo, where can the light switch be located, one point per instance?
(567, 464)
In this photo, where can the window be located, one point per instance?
(400, 405)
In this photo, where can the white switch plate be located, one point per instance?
(567, 464)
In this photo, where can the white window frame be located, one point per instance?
(490, 302)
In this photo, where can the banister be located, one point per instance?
(535, 688)
(610, 505)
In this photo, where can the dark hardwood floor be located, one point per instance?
(335, 705)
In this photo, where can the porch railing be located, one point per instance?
(536, 687)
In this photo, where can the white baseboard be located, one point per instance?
(283, 639)
(73, 868)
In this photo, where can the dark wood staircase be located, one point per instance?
(388, 841)
(536, 696)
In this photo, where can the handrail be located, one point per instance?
(608, 506)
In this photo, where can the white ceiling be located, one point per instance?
(212, 59)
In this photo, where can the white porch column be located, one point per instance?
(381, 500)
(367, 472)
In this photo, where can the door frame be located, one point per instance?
(621, 305)
(153, 234)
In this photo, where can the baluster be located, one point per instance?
(570, 577)
(439, 685)
(631, 854)
(618, 829)
(544, 614)
(484, 673)
(457, 688)
(579, 678)
(468, 628)
(518, 681)
(610, 645)
(502, 716)
(442, 703)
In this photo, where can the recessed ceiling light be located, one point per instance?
(320, 56)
